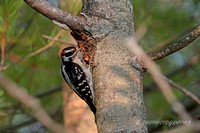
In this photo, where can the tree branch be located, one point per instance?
(62, 18)
(158, 78)
(36, 52)
(185, 91)
(2, 53)
(39, 95)
(58, 114)
(31, 102)
(29, 121)
(3, 42)
(190, 63)
(48, 92)
(58, 40)
(169, 40)
(176, 46)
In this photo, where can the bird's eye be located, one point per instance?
(67, 52)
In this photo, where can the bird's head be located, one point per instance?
(69, 53)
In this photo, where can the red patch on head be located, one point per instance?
(62, 53)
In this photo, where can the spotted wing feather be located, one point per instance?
(76, 78)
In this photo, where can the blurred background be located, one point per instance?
(23, 32)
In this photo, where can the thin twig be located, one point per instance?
(58, 40)
(157, 76)
(48, 92)
(165, 43)
(31, 102)
(141, 31)
(185, 91)
(61, 18)
(29, 121)
(39, 95)
(162, 84)
(37, 51)
(26, 27)
(176, 46)
(169, 40)
(194, 60)
(2, 53)
(3, 42)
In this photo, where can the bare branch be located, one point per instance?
(185, 91)
(193, 61)
(141, 31)
(29, 121)
(58, 114)
(176, 46)
(31, 102)
(36, 52)
(48, 92)
(169, 40)
(2, 53)
(190, 63)
(18, 125)
(43, 48)
(158, 78)
(3, 42)
(62, 18)
(58, 40)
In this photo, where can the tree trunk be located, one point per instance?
(118, 86)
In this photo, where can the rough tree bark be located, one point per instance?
(118, 87)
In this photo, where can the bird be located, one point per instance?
(77, 76)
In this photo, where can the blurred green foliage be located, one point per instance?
(163, 18)
(37, 74)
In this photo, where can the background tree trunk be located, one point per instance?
(118, 86)
(77, 115)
